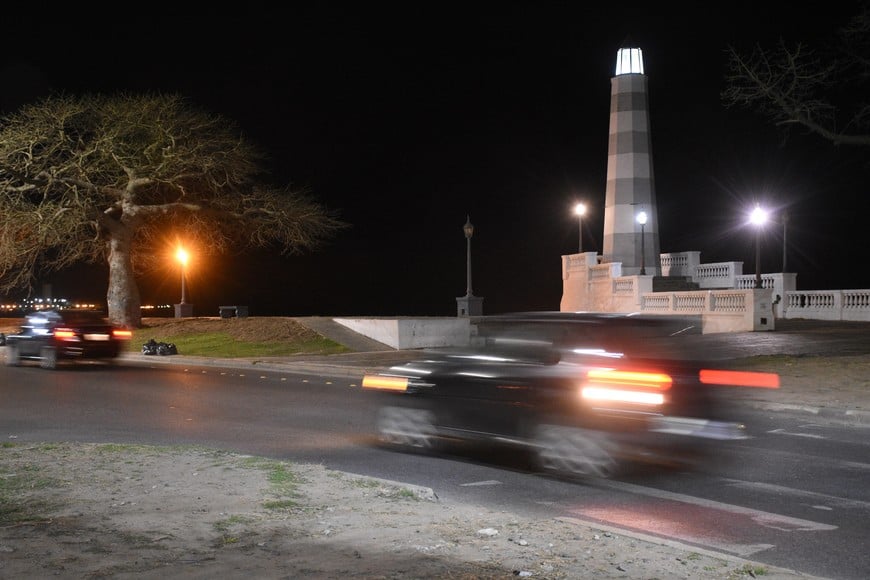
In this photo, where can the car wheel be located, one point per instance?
(406, 427)
(48, 357)
(575, 452)
(12, 357)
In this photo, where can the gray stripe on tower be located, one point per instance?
(630, 179)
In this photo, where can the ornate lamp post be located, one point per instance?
(641, 219)
(580, 211)
(468, 305)
(758, 218)
(468, 229)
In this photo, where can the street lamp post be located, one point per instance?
(183, 309)
(468, 305)
(784, 241)
(580, 211)
(182, 257)
(641, 219)
(468, 229)
(758, 217)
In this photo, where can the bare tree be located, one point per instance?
(93, 178)
(822, 90)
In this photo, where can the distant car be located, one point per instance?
(587, 394)
(53, 336)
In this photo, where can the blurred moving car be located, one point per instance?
(587, 393)
(52, 336)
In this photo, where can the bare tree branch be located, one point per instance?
(823, 90)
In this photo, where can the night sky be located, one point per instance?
(406, 118)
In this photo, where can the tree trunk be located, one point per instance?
(123, 300)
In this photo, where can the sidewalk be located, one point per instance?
(824, 367)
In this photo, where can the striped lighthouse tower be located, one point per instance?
(630, 193)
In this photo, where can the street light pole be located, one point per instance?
(182, 256)
(784, 241)
(758, 259)
(641, 219)
(758, 217)
(468, 305)
(580, 210)
(469, 231)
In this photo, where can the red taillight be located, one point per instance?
(122, 334)
(739, 378)
(619, 386)
(64, 333)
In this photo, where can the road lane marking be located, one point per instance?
(807, 435)
(481, 483)
(809, 496)
(766, 519)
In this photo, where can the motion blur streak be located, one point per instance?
(606, 394)
(652, 380)
(739, 378)
(387, 383)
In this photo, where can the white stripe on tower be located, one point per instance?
(630, 181)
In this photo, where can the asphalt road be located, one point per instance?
(793, 496)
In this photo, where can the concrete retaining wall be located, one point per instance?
(410, 333)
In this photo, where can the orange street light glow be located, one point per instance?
(181, 255)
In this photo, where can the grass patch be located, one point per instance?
(365, 483)
(752, 570)
(14, 485)
(283, 481)
(405, 493)
(222, 345)
(225, 524)
(280, 504)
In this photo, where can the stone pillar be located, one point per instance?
(630, 180)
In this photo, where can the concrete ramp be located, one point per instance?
(356, 341)
(411, 333)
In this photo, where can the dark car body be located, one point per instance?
(586, 393)
(54, 336)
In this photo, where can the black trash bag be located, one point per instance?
(152, 347)
(166, 348)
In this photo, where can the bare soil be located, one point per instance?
(105, 511)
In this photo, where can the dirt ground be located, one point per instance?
(108, 511)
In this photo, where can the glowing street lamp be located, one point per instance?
(641, 219)
(758, 218)
(182, 256)
(580, 211)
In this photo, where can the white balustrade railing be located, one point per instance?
(692, 302)
(828, 304)
(727, 293)
(624, 285)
